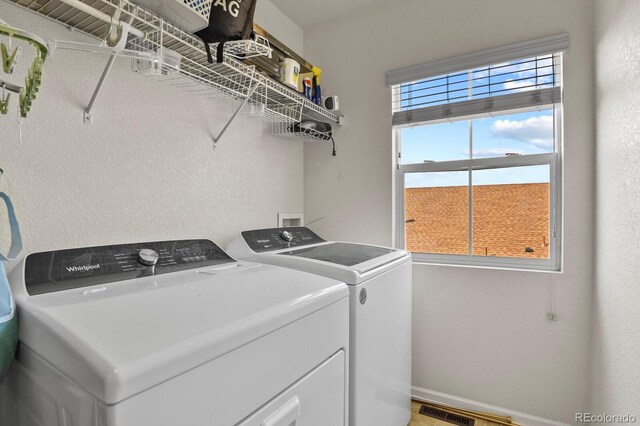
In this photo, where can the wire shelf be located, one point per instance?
(245, 49)
(182, 71)
(294, 131)
(169, 54)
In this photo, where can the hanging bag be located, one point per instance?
(8, 318)
(229, 20)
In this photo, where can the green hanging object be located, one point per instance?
(35, 41)
(30, 89)
(33, 77)
(8, 61)
(25, 103)
(33, 80)
(4, 104)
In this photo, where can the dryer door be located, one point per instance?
(317, 399)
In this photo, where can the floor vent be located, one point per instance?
(456, 419)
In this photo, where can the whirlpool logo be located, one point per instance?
(83, 268)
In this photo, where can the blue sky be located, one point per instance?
(498, 79)
(522, 133)
(525, 133)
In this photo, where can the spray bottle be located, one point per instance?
(316, 96)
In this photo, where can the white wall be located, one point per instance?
(145, 169)
(478, 333)
(277, 23)
(616, 344)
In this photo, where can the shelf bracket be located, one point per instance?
(235, 113)
(88, 118)
(122, 41)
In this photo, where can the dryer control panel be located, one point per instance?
(263, 240)
(58, 270)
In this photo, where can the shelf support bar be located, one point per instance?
(88, 118)
(120, 45)
(242, 104)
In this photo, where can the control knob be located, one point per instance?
(148, 257)
(287, 236)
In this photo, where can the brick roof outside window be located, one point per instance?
(508, 220)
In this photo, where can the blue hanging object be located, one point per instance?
(8, 318)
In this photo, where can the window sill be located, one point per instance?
(505, 264)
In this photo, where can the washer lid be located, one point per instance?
(345, 254)
(119, 339)
(348, 262)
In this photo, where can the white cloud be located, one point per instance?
(491, 152)
(519, 85)
(495, 152)
(526, 70)
(537, 131)
(436, 179)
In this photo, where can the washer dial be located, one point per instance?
(148, 257)
(287, 236)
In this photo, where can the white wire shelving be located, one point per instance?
(163, 51)
(296, 131)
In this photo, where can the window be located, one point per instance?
(478, 141)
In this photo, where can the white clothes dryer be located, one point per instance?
(379, 281)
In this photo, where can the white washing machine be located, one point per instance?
(174, 333)
(379, 280)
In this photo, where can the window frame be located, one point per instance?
(553, 159)
(553, 263)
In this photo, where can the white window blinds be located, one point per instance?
(525, 75)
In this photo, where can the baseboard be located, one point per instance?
(429, 395)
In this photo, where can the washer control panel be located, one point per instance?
(263, 240)
(59, 270)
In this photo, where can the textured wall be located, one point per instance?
(145, 169)
(481, 334)
(277, 23)
(616, 343)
